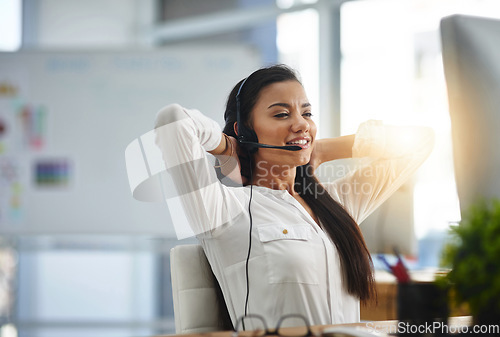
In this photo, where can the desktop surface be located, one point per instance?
(366, 328)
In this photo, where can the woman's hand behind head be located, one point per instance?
(231, 166)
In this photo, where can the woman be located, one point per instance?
(283, 243)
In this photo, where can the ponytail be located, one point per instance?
(344, 232)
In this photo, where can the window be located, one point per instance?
(392, 70)
(10, 25)
(298, 47)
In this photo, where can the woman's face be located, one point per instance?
(282, 116)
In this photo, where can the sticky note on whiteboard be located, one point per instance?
(52, 172)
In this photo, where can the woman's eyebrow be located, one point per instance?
(286, 105)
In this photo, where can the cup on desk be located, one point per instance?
(420, 305)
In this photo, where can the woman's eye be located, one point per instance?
(281, 115)
(307, 114)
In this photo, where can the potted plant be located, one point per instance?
(474, 257)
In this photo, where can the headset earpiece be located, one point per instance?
(246, 137)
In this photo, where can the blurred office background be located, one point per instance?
(80, 273)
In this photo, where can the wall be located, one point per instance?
(103, 285)
(73, 24)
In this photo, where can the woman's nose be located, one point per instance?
(299, 124)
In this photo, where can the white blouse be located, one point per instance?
(294, 267)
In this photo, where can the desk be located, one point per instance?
(387, 288)
(317, 330)
(385, 307)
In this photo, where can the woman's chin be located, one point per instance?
(298, 159)
(303, 160)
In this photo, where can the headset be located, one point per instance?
(249, 141)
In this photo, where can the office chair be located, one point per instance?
(196, 293)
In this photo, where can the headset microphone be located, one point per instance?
(260, 145)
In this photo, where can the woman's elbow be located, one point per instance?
(165, 131)
(169, 114)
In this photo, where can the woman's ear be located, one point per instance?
(235, 127)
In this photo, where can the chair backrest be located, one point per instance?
(196, 293)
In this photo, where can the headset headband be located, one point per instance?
(238, 112)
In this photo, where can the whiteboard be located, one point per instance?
(79, 110)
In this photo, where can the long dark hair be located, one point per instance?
(336, 222)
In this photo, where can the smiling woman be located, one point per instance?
(282, 116)
(283, 243)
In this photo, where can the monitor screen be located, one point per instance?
(471, 56)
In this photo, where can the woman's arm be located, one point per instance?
(331, 149)
(223, 149)
(390, 155)
(184, 136)
(227, 154)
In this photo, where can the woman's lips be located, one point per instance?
(303, 143)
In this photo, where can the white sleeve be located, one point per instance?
(183, 137)
(392, 153)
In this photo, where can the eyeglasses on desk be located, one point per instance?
(291, 325)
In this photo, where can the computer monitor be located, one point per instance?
(471, 57)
